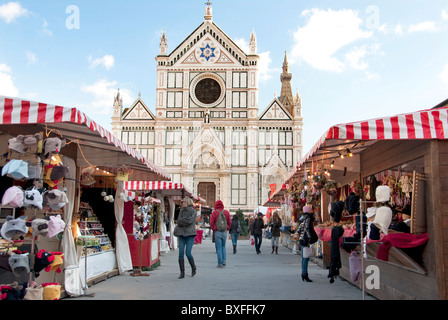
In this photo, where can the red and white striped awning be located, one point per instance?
(175, 190)
(15, 111)
(420, 125)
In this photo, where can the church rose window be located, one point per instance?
(208, 91)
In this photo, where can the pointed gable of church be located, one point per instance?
(208, 45)
(275, 111)
(138, 111)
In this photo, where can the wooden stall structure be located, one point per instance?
(357, 154)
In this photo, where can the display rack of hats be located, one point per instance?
(90, 233)
(31, 158)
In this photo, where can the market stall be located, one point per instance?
(64, 142)
(168, 193)
(406, 153)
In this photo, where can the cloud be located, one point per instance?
(427, 26)
(444, 15)
(444, 74)
(103, 92)
(7, 86)
(11, 11)
(265, 71)
(108, 61)
(325, 35)
(32, 57)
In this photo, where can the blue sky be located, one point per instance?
(350, 60)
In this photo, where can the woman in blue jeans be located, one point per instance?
(307, 237)
(234, 231)
(185, 231)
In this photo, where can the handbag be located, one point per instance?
(308, 252)
(268, 233)
(251, 240)
(238, 229)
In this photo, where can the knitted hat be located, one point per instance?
(371, 212)
(57, 262)
(39, 227)
(382, 194)
(16, 169)
(13, 229)
(55, 226)
(383, 219)
(53, 146)
(15, 144)
(355, 265)
(42, 260)
(55, 198)
(13, 291)
(307, 209)
(33, 197)
(52, 291)
(336, 210)
(352, 203)
(34, 292)
(19, 263)
(13, 196)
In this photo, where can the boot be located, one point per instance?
(182, 268)
(272, 250)
(276, 250)
(234, 248)
(193, 266)
(305, 277)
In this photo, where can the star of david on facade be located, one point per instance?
(208, 52)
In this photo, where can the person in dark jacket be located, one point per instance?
(185, 231)
(256, 229)
(275, 223)
(234, 231)
(307, 236)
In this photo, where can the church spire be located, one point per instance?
(208, 11)
(163, 44)
(286, 97)
(253, 43)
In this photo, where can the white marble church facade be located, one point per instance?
(207, 130)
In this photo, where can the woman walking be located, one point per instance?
(185, 231)
(235, 230)
(275, 223)
(256, 229)
(220, 223)
(307, 237)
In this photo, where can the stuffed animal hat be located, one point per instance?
(55, 225)
(16, 169)
(57, 262)
(15, 144)
(52, 291)
(42, 260)
(39, 227)
(13, 196)
(53, 146)
(19, 263)
(13, 229)
(383, 219)
(55, 198)
(382, 194)
(33, 197)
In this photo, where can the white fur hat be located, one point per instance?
(383, 219)
(382, 194)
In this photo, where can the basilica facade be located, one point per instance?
(208, 130)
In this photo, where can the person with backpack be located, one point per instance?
(256, 229)
(220, 223)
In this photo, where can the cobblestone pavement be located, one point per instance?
(247, 276)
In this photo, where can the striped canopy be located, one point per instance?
(16, 114)
(175, 190)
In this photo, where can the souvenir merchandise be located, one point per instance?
(355, 264)
(87, 179)
(13, 291)
(24, 144)
(51, 291)
(57, 262)
(19, 263)
(382, 194)
(13, 196)
(42, 259)
(34, 292)
(39, 227)
(336, 210)
(53, 146)
(55, 198)
(33, 197)
(55, 174)
(16, 169)
(352, 203)
(13, 229)
(55, 225)
(383, 219)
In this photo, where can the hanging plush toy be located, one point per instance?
(53, 146)
(406, 185)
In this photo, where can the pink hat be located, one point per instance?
(14, 197)
(55, 226)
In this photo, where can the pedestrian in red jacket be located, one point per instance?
(220, 225)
